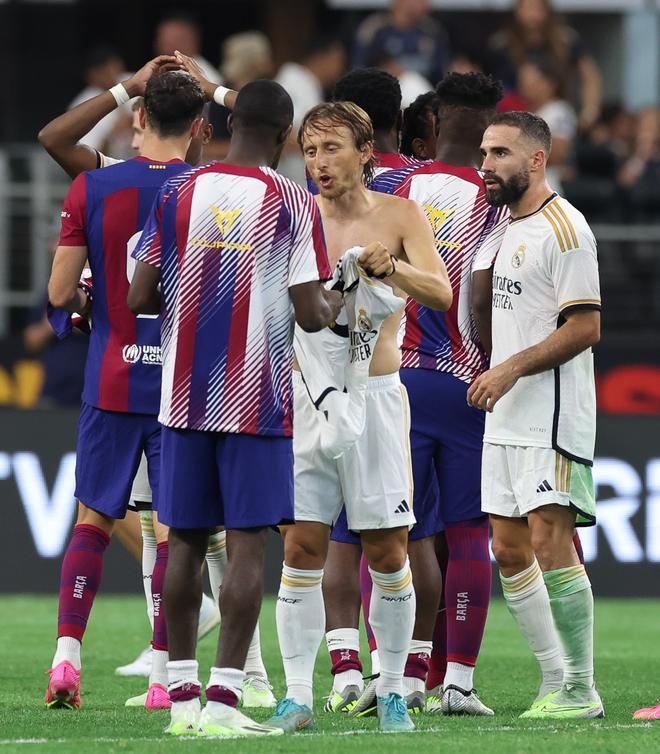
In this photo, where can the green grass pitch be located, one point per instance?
(627, 663)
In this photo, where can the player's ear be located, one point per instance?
(196, 127)
(399, 122)
(283, 135)
(142, 118)
(538, 160)
(207, 132)
(230, 123)
(419, 148)
(367, 152)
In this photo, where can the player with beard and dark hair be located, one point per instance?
(540, 403)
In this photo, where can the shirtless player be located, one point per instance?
(373, 479)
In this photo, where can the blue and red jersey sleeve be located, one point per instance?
(149, 248)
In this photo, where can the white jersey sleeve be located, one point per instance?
(309, 257)
(105, 161)
(574, 272)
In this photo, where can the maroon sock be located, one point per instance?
(159, 640)
(82, 569)
(221, 694)
(185, 692)
(366, 587)
(438, 663)
(578, 547)
(344, 660)
(467, 588)
(417, 666)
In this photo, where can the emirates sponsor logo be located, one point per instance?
(135, 354)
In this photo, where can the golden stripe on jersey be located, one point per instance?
(579, 302)
(563, 469)
(561, 225)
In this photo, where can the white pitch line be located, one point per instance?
(576, 728)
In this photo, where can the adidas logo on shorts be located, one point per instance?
(544, 486)
(403, 507)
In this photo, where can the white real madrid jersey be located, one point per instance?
(546, 266)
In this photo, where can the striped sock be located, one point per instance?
(392, 618)
(527, 599)
(300, 617)
(572, 604)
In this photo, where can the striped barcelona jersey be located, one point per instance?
(467, 233)
(230, 241)
(106, 210)
(383, 162)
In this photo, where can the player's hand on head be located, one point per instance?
(190, 66)
(376, 260)
(489, 387)
(137, 83)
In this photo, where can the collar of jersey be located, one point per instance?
(552, 196)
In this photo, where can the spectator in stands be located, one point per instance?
(308, 83)
(540, 85)
(409, 34)
(639, 175)
(245, 57)
(535, 31)
(179, 30)
(102, 69)
(412, 84)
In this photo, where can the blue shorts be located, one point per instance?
(108, 452)
(446, 439)
(341, 532)
(225, 479)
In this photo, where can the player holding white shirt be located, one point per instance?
(540, 397)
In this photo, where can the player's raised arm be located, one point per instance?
(213, 93)
(424, 275)
(60, 137)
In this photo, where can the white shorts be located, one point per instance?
(141, 490)
(373, 478)
(516, 480)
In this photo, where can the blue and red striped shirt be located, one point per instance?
(105, 210)
(468, 233)
(230, 241)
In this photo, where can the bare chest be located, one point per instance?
(342, 235)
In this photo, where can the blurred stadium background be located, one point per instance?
(594, 69)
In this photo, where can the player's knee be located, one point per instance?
(511, 556)
(90, 517)
(302, 553)
(386, 559)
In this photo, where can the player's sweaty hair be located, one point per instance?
(329, 115)
(172, 101)
(532, 127)
(474, 91)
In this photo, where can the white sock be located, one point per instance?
(68, 649)
(375, 662)
(459, 675)
(392, 618)
(216, 561)
(148, 559)
(527, 598)
(181, 672)
(254, 664)
(345, 638)
(300, 617)
(158, 668)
